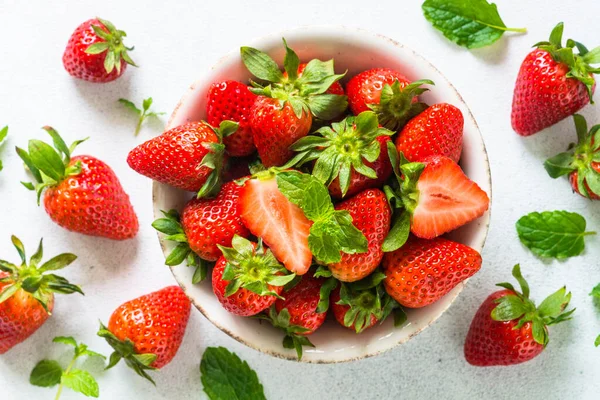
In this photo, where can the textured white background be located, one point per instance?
(175, 43)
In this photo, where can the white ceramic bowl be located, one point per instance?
(356, 51)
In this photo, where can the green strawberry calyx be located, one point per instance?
(518, 306)
(396, 106)
(304, 93)
(33, 277)
(580, 157)
(125, 349)
(112, 45)
(49, 165)
(215, 158)
(294, 334)
(579, 63)
(342, 148)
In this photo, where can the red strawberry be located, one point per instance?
(353, 151)
(282, 225)
(371, 215)
(581, 161)
(436, 131)
(365, 88)
(367, 318)
(27, 294)
(508, 329)
(423, 271)
(335, 88)
(188, 157)
(231, 100)
(553, 83)
(96, 53)
(284, 111)
(236, 168)
(83, 193)
(147, 331)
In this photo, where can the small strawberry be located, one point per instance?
(231, 100)
(371, 215)
(284, 111)
(188, 157)
(147, 331)
(27, 294)
(351, 155)
(553, 83)
(83, 194)
(581, 161)
(509, 329)
(96, 53)
(247, 278)
(423, 271)
(436, 131)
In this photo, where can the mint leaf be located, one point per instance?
(68, 340)
(142, 114)
(468, 23)
(224, 376)
(306, 192)
(46, 373)
(323, 241)
(398, 234)
(352, 240)
(556, 234)
(81, 381)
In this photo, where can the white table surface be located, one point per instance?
(176, 43)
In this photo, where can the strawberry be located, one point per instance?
(365, 88)
(231, 100)
(553, 83)
(83, 194)
(423, 271)
(509, 329)
(436, 131)
(371, 215)
(282, 225)
(247, 278)
(351, 155)
(284, 111)
(581, 161)
(27, 294)
(147, 331)
(335, 88)
(96, 53)
(188, 157)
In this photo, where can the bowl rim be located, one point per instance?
(339, 29)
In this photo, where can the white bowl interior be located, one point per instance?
(355, 51)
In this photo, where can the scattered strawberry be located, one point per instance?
(436, 131)
(231, 100)
(247, 278)
(27, 294)
(284, 111)
(96, 53)
(83, 194)
(508, 329)
(147, 331)
(581, 161)
(423, 271)
(188, 157)
(553, 83)
(350, 155)
(142, 113)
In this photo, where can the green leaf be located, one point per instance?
(327, 106)
(597, 342)
(516, 273)
(326, 289)
(305, 191)
(509, 307)
(97, 48)
(59, 143)
(352, 240)
(146, 103)
(557, 234)
(46, 373)
(82, 382)
(554, 304)
(596, 291)
(323, 241)
(224, 376)
(129, 104)
(559, 165)
(3, 133)
(68, 340)
(260, 65)
(468, 23)
(8, 291)
(178, 255)
(399, 232)
(290, 62)
(58, 262)
(20, 248)
(46, 159)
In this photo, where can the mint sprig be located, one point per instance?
(143, 113)
(332, 231)
(49, 373)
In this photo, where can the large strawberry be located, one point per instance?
(147, 331)
(371, 214)
(96, 53)
(188, 157)
(553, 83)
(283, 114)
(422, 271)
(27, 293)
(82, 194)
(351, 155)
(436, 131)
(247, 278)
(581, 162)
(231, 100)
(509, 329)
